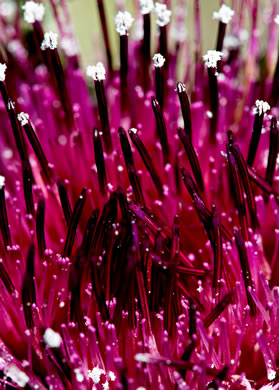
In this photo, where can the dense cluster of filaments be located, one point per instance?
(140, 225)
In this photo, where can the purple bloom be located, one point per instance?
(139, 226)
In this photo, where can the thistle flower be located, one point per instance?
(139, 226)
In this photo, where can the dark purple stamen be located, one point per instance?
(40, 227)
(27, 187)
(162, 131)
(238, 190)
(17, 131)
(64, 200)
(59, 80)
(124, 71)
(130, 166)
(244, 262)
(242, 166)
(218, 310)
(163, 43)
(147, 161)
(221, 36)
(4, 276)
(105, 33)
(28, 288)
(193, 191)
(37, 148)
(273, 151)
(4, 224)
(123, 204)
(159, 85)
(69, 242)
(99, 160)
(214, 104)
(146, 50)
(89, 231)
(217, 249)
(193, 159)
(185, 109)
(103, 112)
(98, 291)
(255, 139)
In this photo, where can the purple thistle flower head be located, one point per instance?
(139, 242)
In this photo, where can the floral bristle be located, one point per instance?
(139, 229)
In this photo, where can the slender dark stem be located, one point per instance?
(244, 262)
(217, 249)
(27, 187)
(255, 139)
(238, 190)
(40, 227)
(69, 242)
(147, 161)
(242, 166)
(218, 310)
(130, 166)
(65, 203)
(4, 223)
(221, 36)
(159, 85)
(163, 42)
(99, 160)
(103, 112)
(193, 159)
(214, 105)
(62, 87)
(28, 288)
(124, 71)
(37, 148)
(162, 131)
(273, 151)
(146, 48)
(17, 131)
(185, 109)
(105, 32)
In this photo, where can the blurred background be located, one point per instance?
(86, 24)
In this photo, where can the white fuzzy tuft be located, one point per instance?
(261, 107)
(2, 182)
(276, 19)
(123, 21)
(33, 12)
(158, 60)
(162, 14)
(23, 118)
(50, 41)
(97, 72)
(146, 6)
(133, 130)
(95, 374)
(52, 338)
(212, 57)
(3, 68)
(17, 376)
(224, 14)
